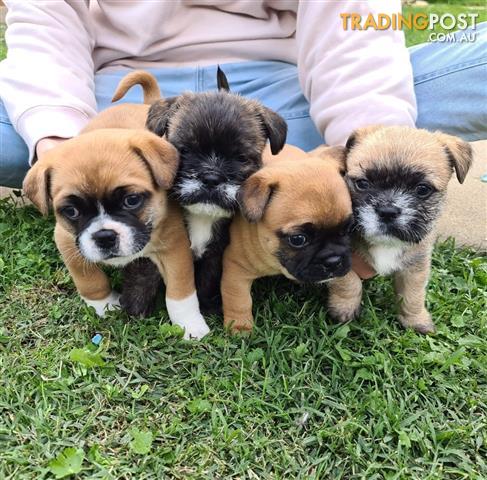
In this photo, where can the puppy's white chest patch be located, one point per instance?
(386, 258)
(199, 229)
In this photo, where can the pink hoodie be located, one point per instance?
(351, 78)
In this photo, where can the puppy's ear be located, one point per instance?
(459, 153)
(159, 115)
(221, 80)
(337, 155)
(37, 186)
(275, 128)
(358, 135)
(254, 196)
(159, 157)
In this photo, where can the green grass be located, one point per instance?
(301, 399)
(3, 48)
(414, 37)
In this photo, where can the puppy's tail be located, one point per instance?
(142, 78)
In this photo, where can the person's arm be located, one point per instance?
(353, 78)
(47, 80)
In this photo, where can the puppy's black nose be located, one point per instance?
(332, 261)
(105, 238)
(388, 213)
(212, 179)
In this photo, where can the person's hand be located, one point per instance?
(361, 267)
(45, 144)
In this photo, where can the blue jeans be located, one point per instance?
(450, 85)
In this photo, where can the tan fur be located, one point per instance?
(289, 152)
(439, 154)
(140, 77)
(125, 115)
(306, 190)
(95, 164)
(376, 149)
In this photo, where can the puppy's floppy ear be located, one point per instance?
(337, 154)
(159, 115)
(221, 80)
(37, 185)
(254, 196)
(159, 157)
(459, 153)
(358, 135)
(275, 128)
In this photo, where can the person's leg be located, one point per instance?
(13, 153)
(277, 86)
(450, 84)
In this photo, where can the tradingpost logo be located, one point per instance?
(417, 21)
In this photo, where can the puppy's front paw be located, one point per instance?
(136, 306)
(343, 309)
(111, 302)
(422, 322)
(239, 327)
(194, 329)
(186, 314)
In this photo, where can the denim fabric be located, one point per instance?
(450, 84)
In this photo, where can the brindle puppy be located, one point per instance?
(398, 178)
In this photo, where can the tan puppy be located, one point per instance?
(398, 177)
(108, 191)
(295, 218)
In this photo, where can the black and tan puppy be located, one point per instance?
(220, 137)
(295, 221)
(108, 189)
(398, 179)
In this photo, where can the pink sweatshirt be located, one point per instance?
(351, 78)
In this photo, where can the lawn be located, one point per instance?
(302, 398)
(3, 49)
(413, 37)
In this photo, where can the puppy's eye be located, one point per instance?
(362, 184)
(70, 212)
(183, 151)
(423, 190)
(132, 201)
(297, 241)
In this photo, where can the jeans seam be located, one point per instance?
(293, 115)
(452, 69)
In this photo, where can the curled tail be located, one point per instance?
(145, 80)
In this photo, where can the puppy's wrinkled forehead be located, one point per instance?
(310, 191)
(216, 120)
(393, 155)
(97, 163)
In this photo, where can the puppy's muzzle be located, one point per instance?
(105, 239)
(388, 213)
(212, 179)
(334, 264)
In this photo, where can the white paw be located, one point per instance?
(194, 329)
(186, 314)
(111, 302)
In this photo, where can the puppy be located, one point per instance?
(108, 191)
(398, 178)
(295, 221)
(220, 138)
